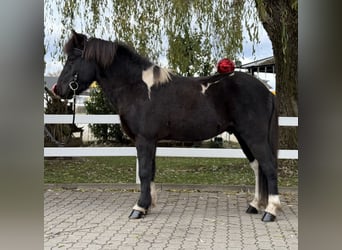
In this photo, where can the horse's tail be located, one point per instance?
(273, 130)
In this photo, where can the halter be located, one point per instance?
(73, 85)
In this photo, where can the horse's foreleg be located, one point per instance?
(146, 153)
(153, 186)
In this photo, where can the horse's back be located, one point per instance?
(246, 82)
(247, 91)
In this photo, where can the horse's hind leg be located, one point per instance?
(264, 163)
(254, 206)
(146, 157)
(268, 168)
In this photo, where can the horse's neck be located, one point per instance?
(112, 89)
(119, 88)
(121, 82)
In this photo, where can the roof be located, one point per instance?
(262, 65)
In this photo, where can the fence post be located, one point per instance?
(137, 179)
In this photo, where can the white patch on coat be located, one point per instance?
(153, 194)
(273, 204)
(255, 166)
(138, 208)
(150, 79)
(147, 77)
(204, 88)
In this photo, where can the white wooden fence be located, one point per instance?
(161, 151)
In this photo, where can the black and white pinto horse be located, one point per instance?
(154, 104)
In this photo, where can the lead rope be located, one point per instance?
(74, 108)
(74, 86)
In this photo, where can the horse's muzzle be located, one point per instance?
(58, 92)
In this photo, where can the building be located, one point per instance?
(263, 69)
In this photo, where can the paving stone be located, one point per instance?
(98, 219)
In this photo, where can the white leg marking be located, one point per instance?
(153, 194)
(255, 166)
(273, 204)
(138, 208)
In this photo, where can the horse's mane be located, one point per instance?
(102, 51)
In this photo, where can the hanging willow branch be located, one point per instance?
(211, 29)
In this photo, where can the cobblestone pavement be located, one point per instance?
(96, 218)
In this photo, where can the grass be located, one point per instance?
(169, 170)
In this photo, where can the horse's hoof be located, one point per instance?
(268, 217)
(136, 214)
(251, 210)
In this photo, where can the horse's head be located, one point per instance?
(78, 73)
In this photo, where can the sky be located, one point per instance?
(262, 50)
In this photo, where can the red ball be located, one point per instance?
(225, 66)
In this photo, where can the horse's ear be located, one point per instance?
(73, 33)
(78, 39)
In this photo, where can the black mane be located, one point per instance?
(102, 51)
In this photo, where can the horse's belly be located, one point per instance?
(195, 131)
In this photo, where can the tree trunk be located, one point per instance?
(281, 17)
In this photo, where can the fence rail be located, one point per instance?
(161, 151)
(107, 119)
(131, 151)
